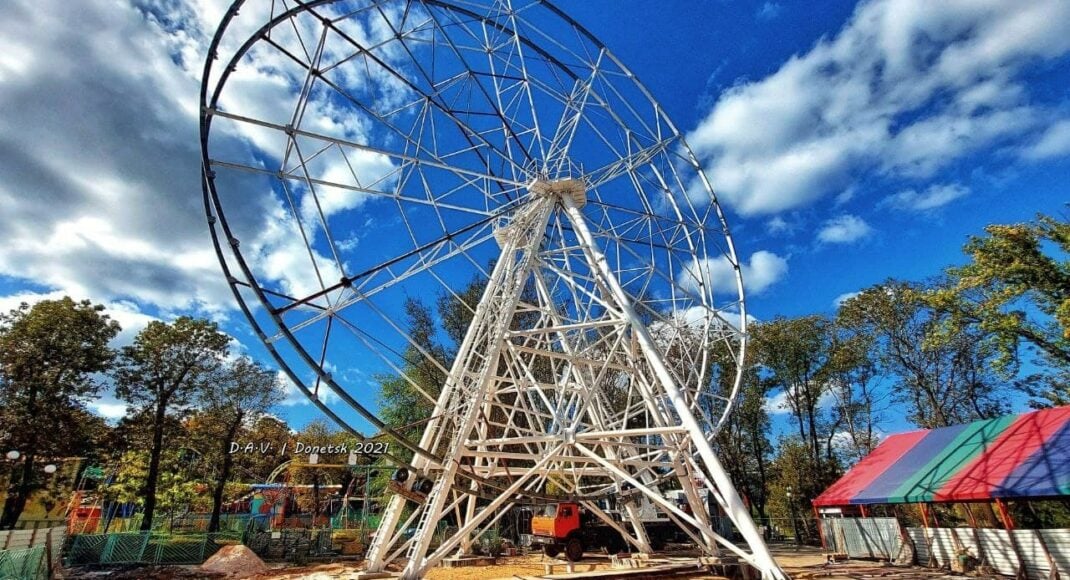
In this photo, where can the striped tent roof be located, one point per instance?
(1017, 456)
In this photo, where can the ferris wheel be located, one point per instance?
(496, 159)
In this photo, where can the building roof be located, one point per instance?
(1011, 457)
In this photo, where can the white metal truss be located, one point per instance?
(564, 429)
(360, 152)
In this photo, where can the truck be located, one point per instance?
(569, 527)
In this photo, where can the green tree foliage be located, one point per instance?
(1015, 289)
(180, 482)
(51, 357)
(942, 379)
(742, 443)
(164, 370)
(241, 391)
(794, 472)
(406, 400)
(318, 433)
(796, 355)
(853, 380)
(458, 310)
(275, 436)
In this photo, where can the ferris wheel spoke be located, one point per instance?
(570, 119)
(630, 162)
(348, 281)
(421, 92)
(348, 144)
(509, 135)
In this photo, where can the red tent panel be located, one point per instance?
(869, 469)
(985, 474)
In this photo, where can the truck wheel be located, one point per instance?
(574, 550)
(551, 550)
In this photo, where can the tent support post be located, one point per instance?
(820, 529)
(1008, 523)
(981, 555)
(1004, 515)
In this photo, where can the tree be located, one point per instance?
(742, 442)
(458, 310)
(944, 379)
(274, 435)
(796, 355)
(318, 433)
(163, 370)
(242, 390)
(794, 473)
(407, 399)
(1016, 290)
(51, 357)
(853, 379)
(176, 488)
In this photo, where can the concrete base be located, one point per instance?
(469, 561)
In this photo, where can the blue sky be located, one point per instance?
(848, 143)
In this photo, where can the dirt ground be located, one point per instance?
(801, 564)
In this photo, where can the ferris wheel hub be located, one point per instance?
(559, 188)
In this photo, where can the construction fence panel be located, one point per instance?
(921, 542)
(997, 551)
(291, 544)
(1005, 552)
(24, 564)
(146, 548)
(1058, 544)
(862, 537)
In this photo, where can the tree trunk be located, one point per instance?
(224, 475)
(16, 502)
(154, 464)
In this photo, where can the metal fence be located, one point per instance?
(146, 548)
(863, 537)
(26, 564)
(197, 522)
(294, 545)
(1034, 553)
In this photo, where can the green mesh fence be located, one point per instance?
(28, 564)
(145, 548)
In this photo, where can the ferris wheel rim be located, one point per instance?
(216, 212)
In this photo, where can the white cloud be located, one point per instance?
(100, 192)
(759, 273)
(844, 229)
(839, 300)
(778, 225)
(769, 11)
(111, 411)
(780, 404)
(934, 197)
(292, 395)
(903, 89)
(1055, 142)
(777, 404)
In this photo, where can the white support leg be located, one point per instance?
(762, 559)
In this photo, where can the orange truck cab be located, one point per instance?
(567, 526)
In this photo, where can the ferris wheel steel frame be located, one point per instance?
(586, 364)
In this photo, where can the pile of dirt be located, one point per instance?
(236, 561)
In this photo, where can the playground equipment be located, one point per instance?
(356, 154)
